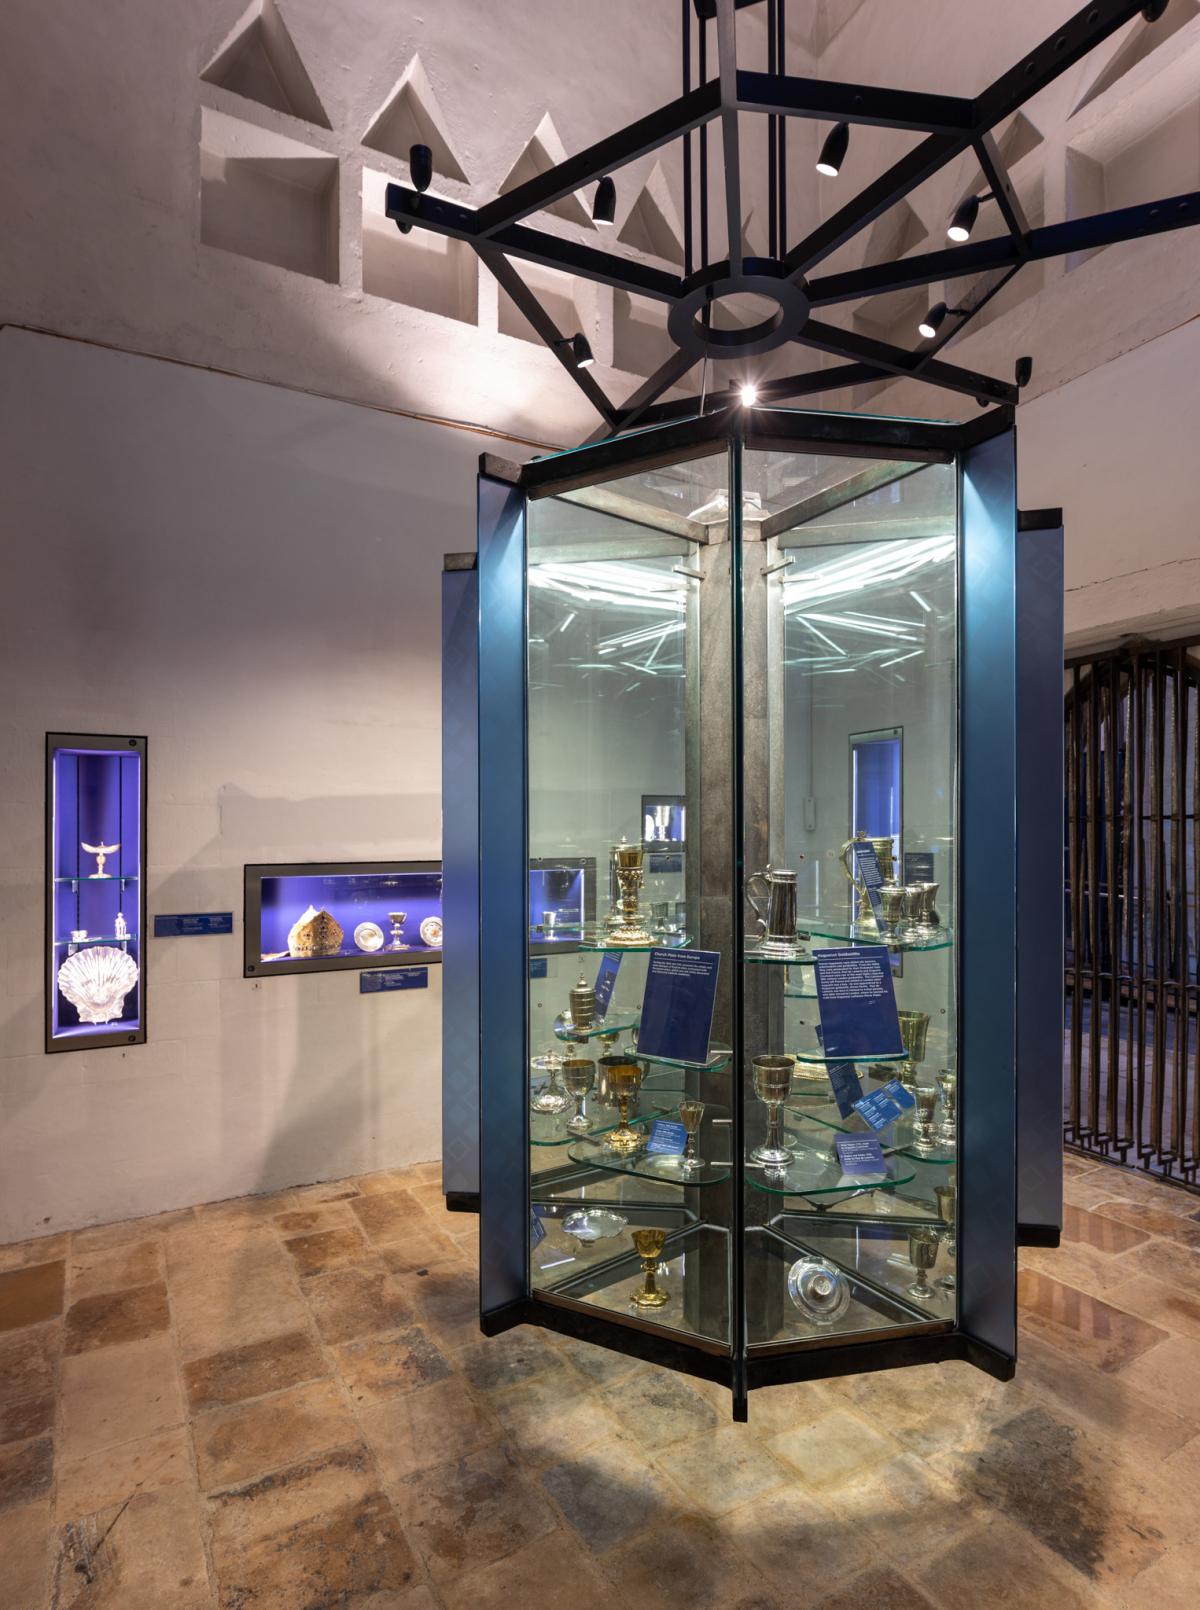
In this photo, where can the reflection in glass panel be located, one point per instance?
(849, 585)
(623, 587)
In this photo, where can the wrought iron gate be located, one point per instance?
(1132, 1044)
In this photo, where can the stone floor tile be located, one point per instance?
(239, 1373)
(691, 1563)
(832, 1447)
(1169, 1373)
(118, 1394)
(1094, 1230)
(1089, 1190)
(998, 1566)
(201, 1250)
(1166, 1260)
(1169, 1584)
(419, 1429)
(22, 1418)
(246, 1211)
(657, 1407)
(1082, 1266)
(304, 1491)
(448, 1301)
(100, 1480)
(324, 1250)
(112, 1317)
(774, 1409)
(32, 1294)
(1177, 1311)
(136, 1263)
(351, 1555)
(1074, 1166)
(1109, 1403)
(599, 1365)
(24, 1556)
(1157, 1220)
(389, 1216)
(42, 1249)
(233, 1445)
(379, 1367)
(98, 1237)
(880, 1588)
(904, 1509)
(424, 1247)
(467, 1513)
(550, 1417)
(28, 1360)
(314, 1216)
(1060, 1483)
(248, 1298)
(327, 1191)
(26, 1471)
(796, 1539)
(143, 1554)
(718, 1470)
(521, 1354)
(384, 1182)
(610, 1492)
(555, 1573)
(359, 1301)
(1092, 1331)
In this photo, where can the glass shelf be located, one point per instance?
(718, 1058)
(554, 1128)
(944, 1156)
(816, 1054)
(106, 877)
(819, 1173)
(843, 925)
(99, 939)
(802, 957)
(713, 1137)
(601, 939)
(608, 1026)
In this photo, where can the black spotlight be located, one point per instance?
(1023, 371)
(964, 218)
(420, 166)
(833, 152)
(933, 320)
(581, 352)
(1154, 10)
(605, 205)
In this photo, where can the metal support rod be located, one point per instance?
(730, 158)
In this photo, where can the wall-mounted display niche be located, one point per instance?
(562, 901)
(95, 890)
(326, 916)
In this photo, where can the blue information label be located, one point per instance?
(377, 982)
(847, 1086)
(900, 1094)
(606, 979)
(537, 1230)
(537, 966)
(857, 1002)
(667, 1138)
(677, 1007)
(867, 863)
(860, 1154)
(878, 1110)
(184, 925)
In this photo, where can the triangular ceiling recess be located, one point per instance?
(544, 151)
(651, 225)
(411, 116)
(1145, 37)
(259, 62)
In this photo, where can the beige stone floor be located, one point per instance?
(283, 1403)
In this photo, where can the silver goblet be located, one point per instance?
(947, 1202)
(773, 1085)
(922, 1254)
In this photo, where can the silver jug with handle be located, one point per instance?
(777, 912)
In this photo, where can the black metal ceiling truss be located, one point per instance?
(952, 126)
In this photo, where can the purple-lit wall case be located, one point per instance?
(330, 916)
(95, 890)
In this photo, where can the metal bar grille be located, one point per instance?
(1131, 1049)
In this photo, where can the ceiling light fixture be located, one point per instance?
(936, 317)
(964, 218)
(833, 152)
(604, 207)
(749, 394)
(420, 166)
(581, 352)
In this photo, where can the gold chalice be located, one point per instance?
(648, 1245)
(624, 1079)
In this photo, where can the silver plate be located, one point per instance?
(368, 936)
(818, 1289)
(431, 932)
(593, 1224)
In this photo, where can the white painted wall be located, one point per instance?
(251, 577)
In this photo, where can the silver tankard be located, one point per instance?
(777, 915)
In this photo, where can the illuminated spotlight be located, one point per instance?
(933, 320)
(604, 207)
(833, 152)
(581, 352)
(749, 394)
(964, 218)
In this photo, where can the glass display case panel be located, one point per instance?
(324, 917)
(562, 901)
(627, 603)
(95, 900)
(849, 576)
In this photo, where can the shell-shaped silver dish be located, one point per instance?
(593, 1224)
(818, 1289)
(97, 980)
(369, 936)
